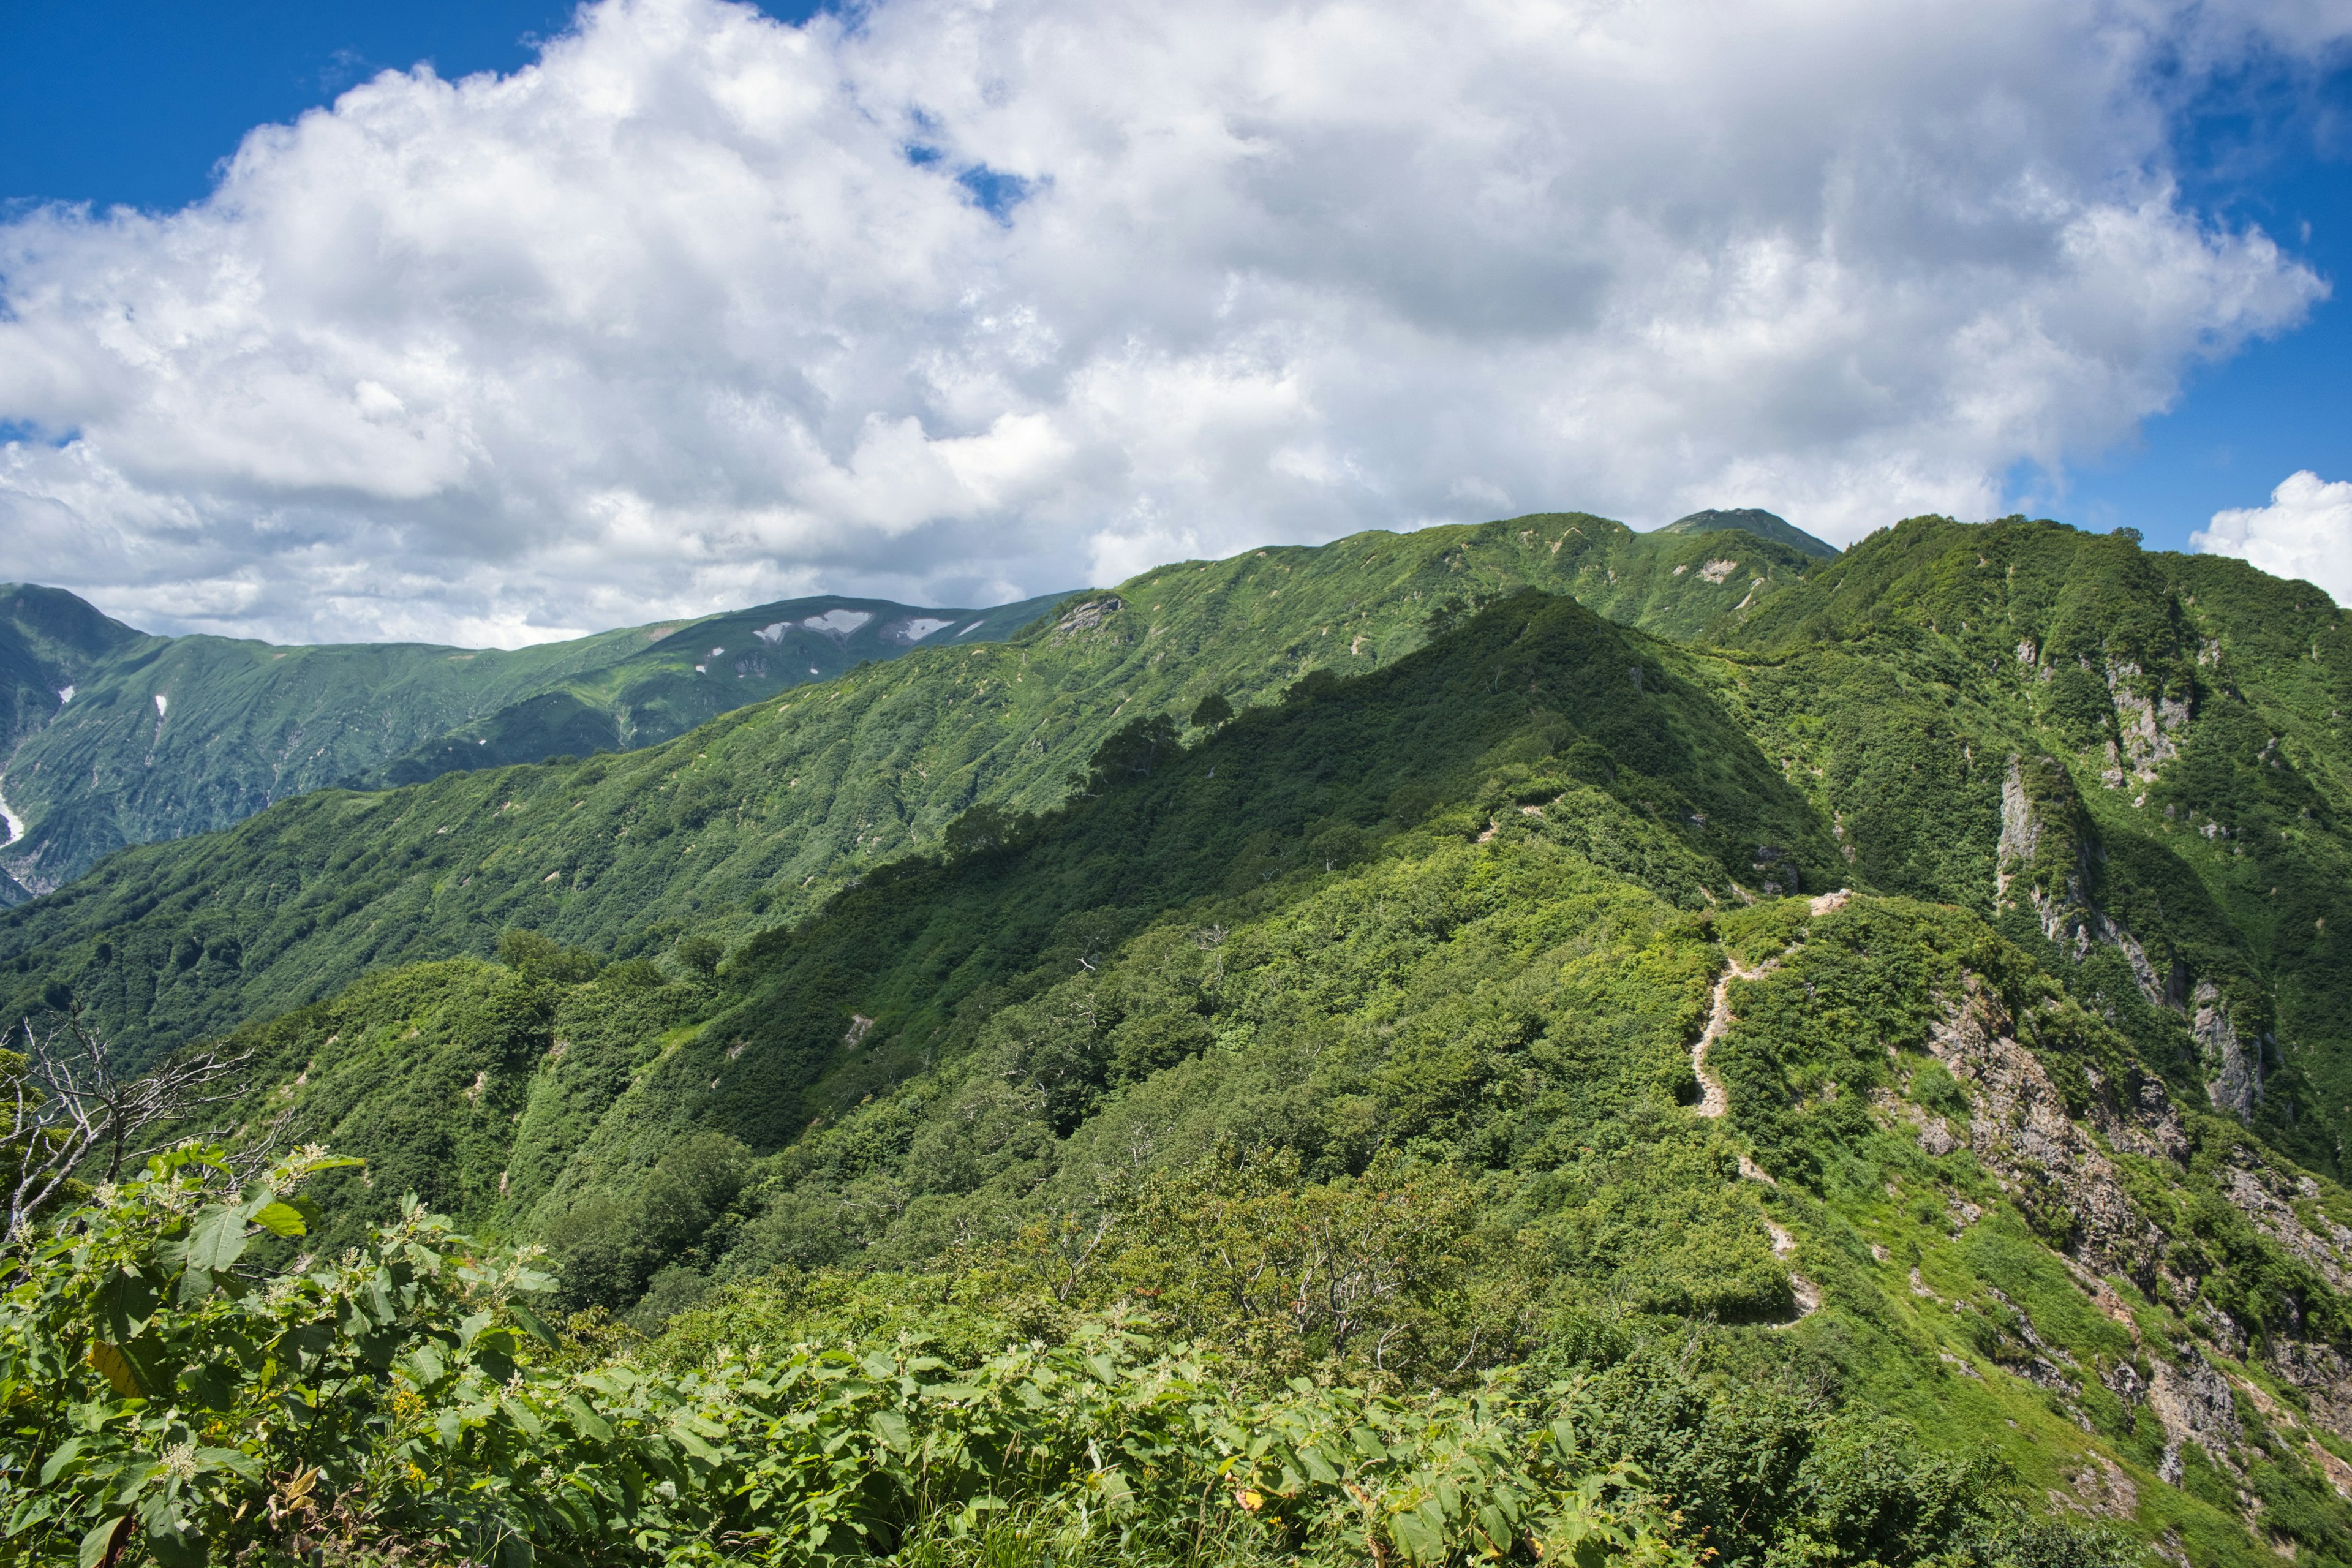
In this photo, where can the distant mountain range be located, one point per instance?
(112, 736)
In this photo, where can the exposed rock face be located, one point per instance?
(2323, 1375)
(1085, 616)
(2193, 1402)
(2045, 844)
(2267, 1197)
(2233, 1074)
(2059, 1173)
(2020, 1129)
(2099, 1489)
(2046, 853)
(2147, 723)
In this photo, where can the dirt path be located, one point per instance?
(1712, 1101)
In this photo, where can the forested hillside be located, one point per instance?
(115, 737)
(1874, 1061)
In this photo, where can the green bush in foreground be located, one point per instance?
(165, 1400)
(177, 1387)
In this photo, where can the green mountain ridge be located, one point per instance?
(1902, 987)
(763, 814)
(116, 737)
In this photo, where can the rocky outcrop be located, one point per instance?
(2323, 1375)
(2061, 1172)
(2267, 1197)
(2233, 1074)
(1088, 614)
(2192, 1402)
(2044, 860)
(2020, 1129)
(2147, 725)
(2045, 855)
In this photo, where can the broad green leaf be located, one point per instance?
(891, 1427)
(123, 1304)
(243, 1463)
(67, 1453)
(1421, 1542)
(281, 1219)
(693, 1445)
(586, 1418)
(424, 1364)
(101, 1537)
(531, 1325)
(212, 1384)
(216, 1240)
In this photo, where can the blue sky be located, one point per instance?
(137, 101)
(964, 302)
(2278, 152)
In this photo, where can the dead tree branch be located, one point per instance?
(70, 1110)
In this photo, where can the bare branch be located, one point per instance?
(70, 1109)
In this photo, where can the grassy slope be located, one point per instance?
(760, 815)
(247, 724)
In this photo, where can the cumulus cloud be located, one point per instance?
(2305, 532)
(960, 300)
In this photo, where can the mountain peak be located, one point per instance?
(1756, 520)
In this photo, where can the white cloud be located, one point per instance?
(2305, 532)
(698, 311)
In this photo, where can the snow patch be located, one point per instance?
(969, 630)
(921, 628)
(838, 623)
(14, 824)
(772, 635)
(65, 694)
(717, 651)
(162, 704)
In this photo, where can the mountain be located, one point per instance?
(1901, 1016)
(115, 737)
(763, 815)
(1752, 519)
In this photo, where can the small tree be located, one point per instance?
(700, 953)
(1214, 712)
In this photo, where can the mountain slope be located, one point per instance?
(116, 737)
(1478, 908)
(2138, 758)
(761, 814)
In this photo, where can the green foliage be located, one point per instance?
(536, 958)
(1211, 711)
(162, 1407)
(1765, 1471)
(761, 815)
